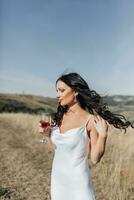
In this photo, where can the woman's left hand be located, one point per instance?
(101, 126)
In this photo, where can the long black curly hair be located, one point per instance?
(89, 100)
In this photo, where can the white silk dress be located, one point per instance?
(70, 175)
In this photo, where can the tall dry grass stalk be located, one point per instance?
(25, 165)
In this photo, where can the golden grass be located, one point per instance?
(25, 166)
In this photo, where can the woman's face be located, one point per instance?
(65, 94)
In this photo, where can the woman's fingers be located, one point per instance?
(40, 124)
(101, 119)
(97, 119)
(40, 129)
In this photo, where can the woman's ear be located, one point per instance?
(76, 93)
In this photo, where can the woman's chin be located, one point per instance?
(62, 103)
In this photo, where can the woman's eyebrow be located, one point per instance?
(60, 88)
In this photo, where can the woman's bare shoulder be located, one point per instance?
(91, 130)
(90, 126)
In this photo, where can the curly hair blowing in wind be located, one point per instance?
(89, 100)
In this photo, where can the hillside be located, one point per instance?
(35, 104)
(26, 103)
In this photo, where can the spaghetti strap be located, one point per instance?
(88, 120)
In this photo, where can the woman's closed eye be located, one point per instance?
(61, 90)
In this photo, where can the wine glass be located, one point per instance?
(45, 121)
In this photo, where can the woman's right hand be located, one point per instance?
(44, 131)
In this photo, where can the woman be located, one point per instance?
(80, 128)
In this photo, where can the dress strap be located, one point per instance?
(88, 120)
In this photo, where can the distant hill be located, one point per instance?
(35, 104)
(26, 103)
(116, 100)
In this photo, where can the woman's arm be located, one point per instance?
(98, 136)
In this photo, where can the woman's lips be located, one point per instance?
(60, 100)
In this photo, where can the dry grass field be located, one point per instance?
(25, 163)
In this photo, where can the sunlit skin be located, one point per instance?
(65, 94)
(97, 128)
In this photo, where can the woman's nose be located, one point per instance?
(57, 96)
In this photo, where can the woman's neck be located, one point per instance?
(73, 108)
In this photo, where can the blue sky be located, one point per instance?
(41, 39)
